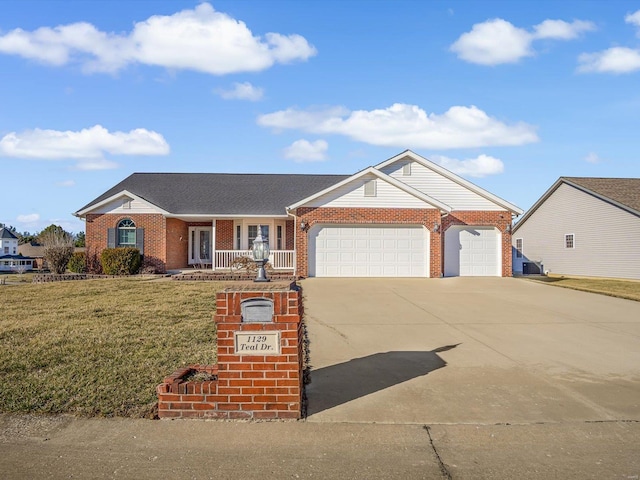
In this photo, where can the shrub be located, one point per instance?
(92, 261)
(120, 261)
(58, 247)
(77, 263)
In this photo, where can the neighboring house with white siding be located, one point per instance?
(10, 259)
(584, 227)
(406, 217)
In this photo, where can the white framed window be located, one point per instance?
(279, 238)
(238, 237)
(518, 247)
(126, 233)
(370, 188)
(252, 233)
(569, 240)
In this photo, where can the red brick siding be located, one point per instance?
(399, 216)
(224, 235)
(499, 219)
(289, 235)
(154, 226)
(177, 244)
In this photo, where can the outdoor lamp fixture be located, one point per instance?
(260, 252)
(436, 227)
(303, 225)
(508, 228)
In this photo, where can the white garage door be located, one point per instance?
(368, 251)
(472, 251)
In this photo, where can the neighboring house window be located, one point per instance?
(370, 188)
(569, 241)
(518, 248)
(6, 250)
(14, 250)
(126, 233)
(406, 170)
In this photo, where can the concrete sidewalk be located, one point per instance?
(65, 447)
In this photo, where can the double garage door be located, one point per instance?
(401, 251)
(368, 251)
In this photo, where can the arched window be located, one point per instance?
(126, 233)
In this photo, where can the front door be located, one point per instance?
(200, 245)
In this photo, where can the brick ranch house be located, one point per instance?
(405, 217)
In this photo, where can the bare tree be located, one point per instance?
(58, 247)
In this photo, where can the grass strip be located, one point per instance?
(628, 289)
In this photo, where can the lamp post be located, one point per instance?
(260, 251)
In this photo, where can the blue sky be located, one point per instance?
(510, 95)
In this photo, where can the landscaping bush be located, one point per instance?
(58, 247)
(120, 261)
(92, 261)
(77, 263)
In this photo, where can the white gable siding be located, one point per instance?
(605, 236)
(441, 188)
(116, 206)
(352, 195)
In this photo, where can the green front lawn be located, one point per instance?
(100, 347)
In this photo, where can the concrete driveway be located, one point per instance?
(482, 351)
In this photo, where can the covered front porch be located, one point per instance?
(218, 244)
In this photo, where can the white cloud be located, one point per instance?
(305, 151)
(612, 60)
(201, 39)
(480, 166)
(561, 30)
(493, 42)
(242, 91)
(405, 126)
(498, 41)
(634, 19)
(87, 146)
(66, 183)
(593, 157)
(29, 218)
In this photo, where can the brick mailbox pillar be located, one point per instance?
(260, 360)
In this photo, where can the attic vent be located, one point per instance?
(406, 169)
(126, 204)
(370, 188)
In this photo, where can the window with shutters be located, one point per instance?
(126, 233)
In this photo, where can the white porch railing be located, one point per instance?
(279, 259)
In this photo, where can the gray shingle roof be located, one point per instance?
(221, 193)
(625, 191)
(6, 233)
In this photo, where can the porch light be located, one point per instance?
(436, 227)
(508, 228)
(260, 252)
(303, 225)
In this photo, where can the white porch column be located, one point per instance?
(213, 244)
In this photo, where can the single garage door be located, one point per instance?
(368, 251)
(472, 251)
